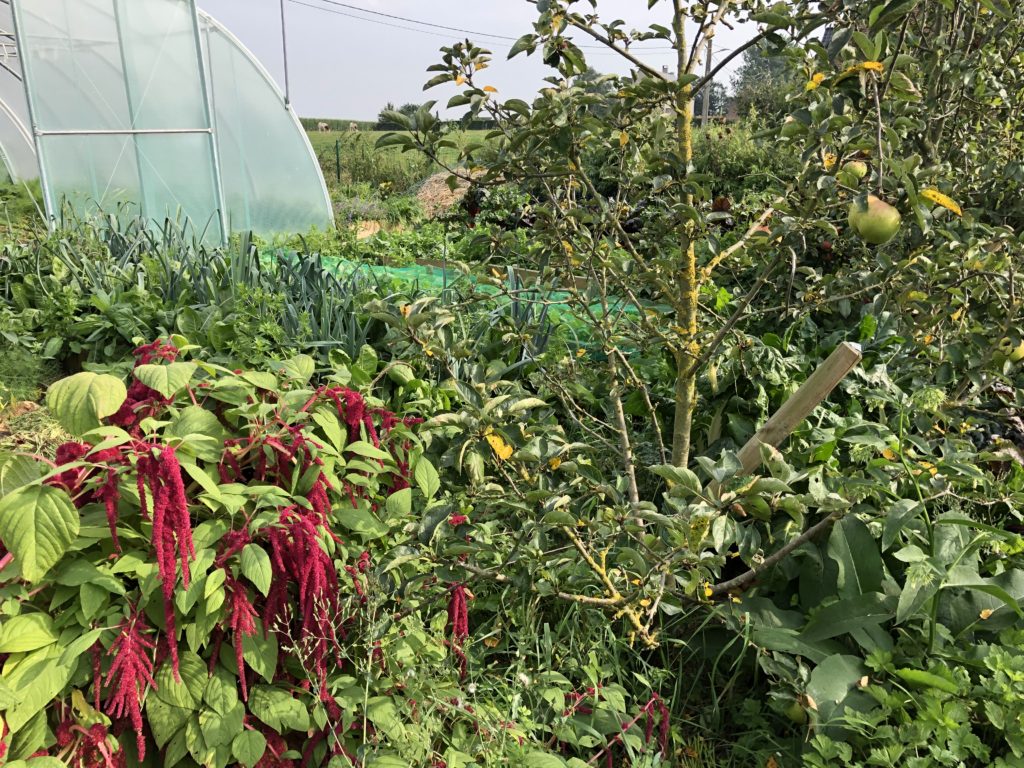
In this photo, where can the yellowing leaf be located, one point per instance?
(708, 591)
(889, 454)
(816, 79)
(873, 66)
(501, 449)
(943, 200)
(492, 641)
(555, 463)
(567, 246)
(645, 603)
(985, 614)
(460, 79)
(623, 139)
(490, 89)
(830, 161)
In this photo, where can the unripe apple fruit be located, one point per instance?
(875, 221)
(857, 168)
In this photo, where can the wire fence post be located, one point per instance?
(337, 159)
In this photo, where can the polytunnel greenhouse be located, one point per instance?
(151, 108)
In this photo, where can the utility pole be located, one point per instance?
(284, 50)
(708, 86)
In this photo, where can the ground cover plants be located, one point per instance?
(302, 513)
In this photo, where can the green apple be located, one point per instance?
(875, 220)
(857, 168)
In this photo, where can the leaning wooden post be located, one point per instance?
(801, 404)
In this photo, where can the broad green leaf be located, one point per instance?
(299, 368)
(256, 567)
(17, 471)
(855, 551)
(169, 379)
(364, 522)
(678, 476)
(366, 450)
(278, 709)
(188, 694)
(834, 678)
(78, 646)
(7, 696)
(849, 614)
(248, 747)
(38, 684)
(426, 477)
(331, 426)
(383, 713)
(261, 380)
(80, 401)
(221, 692)
(26, 633)
(260, 652)
(38, 523)
(165, 719)
(399, 503)
(989, 589)
(901, 513)
(193, 421)
(29, 740)
(220, 729)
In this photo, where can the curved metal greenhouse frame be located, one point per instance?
(152, 108)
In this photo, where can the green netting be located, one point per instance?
(435, 280)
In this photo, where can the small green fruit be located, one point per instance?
(1008, 352)
(875, 221)
(796, 713)
(857, 168)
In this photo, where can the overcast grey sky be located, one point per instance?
(347, 67)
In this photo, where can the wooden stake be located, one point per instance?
(801, 404)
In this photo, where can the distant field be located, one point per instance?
(361, 161)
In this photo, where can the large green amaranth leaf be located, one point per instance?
(168, 379)
(248, 747)
(256, 567)
(26, 632)
(38, 523)
(80, 401)
(16, 471)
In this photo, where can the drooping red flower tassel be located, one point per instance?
(172, 533)
(458, 619)
(243, 624)
(131, 671)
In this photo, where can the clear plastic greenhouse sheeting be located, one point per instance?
(268, 166)
(17, 150)
(149, 107)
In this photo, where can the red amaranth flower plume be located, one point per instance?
(172, 531)
(242, 621)
(130, 672)
(458, 619)
(276, 747)
(297, 557)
